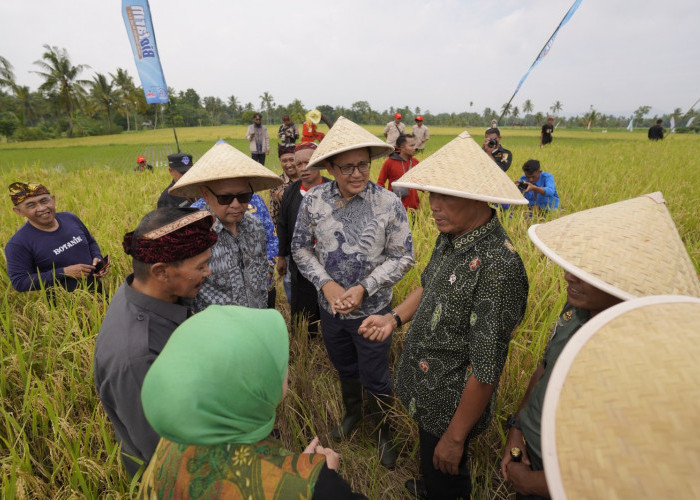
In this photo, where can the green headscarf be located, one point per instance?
(219, 377)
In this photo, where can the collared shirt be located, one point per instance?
(547, 201)
(530, 417)
(393, 131)
(133, 333)
(421, 135)
(288, 134)
(474, 295)
(365, 240)
(238, 267)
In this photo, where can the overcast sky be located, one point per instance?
(440, 55)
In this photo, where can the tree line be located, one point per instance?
(67, 105)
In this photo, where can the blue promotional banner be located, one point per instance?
(139, 28)
(548, 45)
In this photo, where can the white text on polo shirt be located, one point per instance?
(68, 244)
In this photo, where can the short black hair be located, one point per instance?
(659, 121)
(531, 166)
(153, 220)
(401, 139)
(256, 115)
(492, 130)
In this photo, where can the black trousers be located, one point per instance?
(259, 157)
(439, 485)
(304, 299)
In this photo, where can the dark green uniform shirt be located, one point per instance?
(474, 295)
(530, 417)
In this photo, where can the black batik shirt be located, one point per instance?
(474, 295)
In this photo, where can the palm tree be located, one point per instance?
(266, 102)
(527, 106)
(7, 75)
(556, 107)
(26, 103)
(515, 112)
(127, 98)
(505, 109)
(105, 96)
(61, 79)
(234, 105)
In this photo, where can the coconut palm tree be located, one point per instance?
(61, 80)
(528, 106)
(127, 98)
(556, 107)
(7, 75)
(266, 102)
(104, 96)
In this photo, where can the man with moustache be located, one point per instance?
(473, 294)
(353, 242)
(227, 179)
(170, 249)
(303, 297)
(51, 248)
(599, 273)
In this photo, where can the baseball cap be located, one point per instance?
(397, 115)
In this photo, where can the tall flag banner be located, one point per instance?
(545, 50)
(139, 28)
(630, 127)
(690, 121)
(673, 125)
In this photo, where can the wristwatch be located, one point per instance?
(513, 421)
(397, 318)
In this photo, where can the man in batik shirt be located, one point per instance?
(353, 242)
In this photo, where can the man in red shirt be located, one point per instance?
(398, 163)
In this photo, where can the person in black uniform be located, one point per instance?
(493, 148)
(178, 164)
(656, 132)
(546, 135)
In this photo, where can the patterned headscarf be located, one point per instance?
(284, 150)
(179, 240)
(305, 145)
(20, 191)
(219, 377)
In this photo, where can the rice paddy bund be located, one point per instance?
(56, 441)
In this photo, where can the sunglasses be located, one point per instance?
(227, 199)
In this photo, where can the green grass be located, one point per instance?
(55, 440)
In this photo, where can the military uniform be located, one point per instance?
(133, 333)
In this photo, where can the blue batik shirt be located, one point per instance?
(365, 240)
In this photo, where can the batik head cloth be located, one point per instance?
(284, 150)
(20, 191)
(179, 240)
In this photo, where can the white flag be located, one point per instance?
(673, 125)
(629, 125)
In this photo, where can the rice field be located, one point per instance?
(56, 441)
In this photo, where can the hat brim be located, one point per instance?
(460, 194)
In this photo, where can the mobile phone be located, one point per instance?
(101, 264)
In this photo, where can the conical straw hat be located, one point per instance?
(223, 161)
(461, 168)
(346, 135)
(313, 116)
(622, 408)
(627, 249)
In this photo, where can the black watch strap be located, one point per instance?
(513, 421)
(397, 318)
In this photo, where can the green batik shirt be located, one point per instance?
(474, 295)
(530, 417)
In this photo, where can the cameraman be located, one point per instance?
(492, 146)
(538, 187)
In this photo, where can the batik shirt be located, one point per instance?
(365, 240)
(474, 295)
(238, 267)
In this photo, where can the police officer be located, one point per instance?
(493, 148)
(178, 164)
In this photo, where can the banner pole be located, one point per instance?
(172, 120)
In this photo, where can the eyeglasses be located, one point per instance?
(349, 168)
(227, 199)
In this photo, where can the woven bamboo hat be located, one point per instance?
(223, 161)
(343, 136)
(622, 408)
(627, 249)
(461, 168)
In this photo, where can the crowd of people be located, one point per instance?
(191, 360)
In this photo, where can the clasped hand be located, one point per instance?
(343, 301)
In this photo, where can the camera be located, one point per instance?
(522, 186)
(493, 143)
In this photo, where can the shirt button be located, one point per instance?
(140, 316)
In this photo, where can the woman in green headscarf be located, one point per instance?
(212, 395)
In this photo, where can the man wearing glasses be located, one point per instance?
(352, 241)
(226, 179)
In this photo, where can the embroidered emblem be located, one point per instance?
(568, 315)
(510, 246)
(185, 160)
(474, 263)
(436, 317)
(452, 279)
(472, 319)
(423, 365)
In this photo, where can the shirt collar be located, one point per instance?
(176, 312)
(469, 238)
(362, 194)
